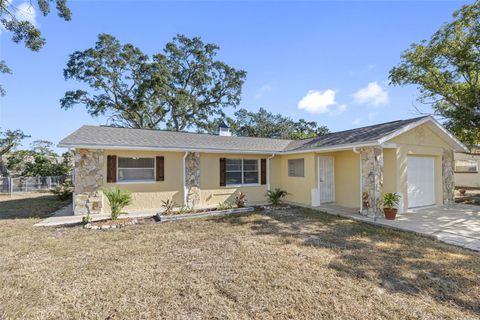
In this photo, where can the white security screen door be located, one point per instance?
(326, 179)
(421, 181)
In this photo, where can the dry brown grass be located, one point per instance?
(29, 205)
(291, 264)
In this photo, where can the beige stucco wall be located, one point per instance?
(468, 179)
(299, 188)
(389, 170)
(420, 141)
(210, 190)
(149, 195)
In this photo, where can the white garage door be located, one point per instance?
(421, 181)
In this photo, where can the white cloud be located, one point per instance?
(263, 89)
(26, 12)
(318, 101)
(372, 94)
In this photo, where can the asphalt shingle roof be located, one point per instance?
(353, 136)
(104, 136)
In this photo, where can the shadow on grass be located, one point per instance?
(394, 260)
(34, 207)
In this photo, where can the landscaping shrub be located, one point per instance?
(240, 200)
(168, 205)
(64, 191)
(224, 205)
(117, 199)
(275, 197)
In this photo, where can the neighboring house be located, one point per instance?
(412, 157)
(466, 170)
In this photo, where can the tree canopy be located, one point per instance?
(446, 71)
(12, 19)
(39, 160)
(269, 125)
(10, 139)
(183, 87)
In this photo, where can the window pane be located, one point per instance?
(250, 165)
(234, 165)
(250, 177)
(234, 178)
(135, 174)
(296, 168)
(466, 166)
(135, 162)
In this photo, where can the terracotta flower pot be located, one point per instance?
(390, 213)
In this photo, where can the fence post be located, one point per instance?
(26, 185)
(10, 185)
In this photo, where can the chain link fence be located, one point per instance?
(10, 185)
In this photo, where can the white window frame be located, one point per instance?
(136, 181)
(302, 160)
(242, 171)
(467, 160)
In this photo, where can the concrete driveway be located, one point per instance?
(457, 224)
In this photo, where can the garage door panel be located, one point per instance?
(421, 181)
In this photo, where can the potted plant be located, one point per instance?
(390, 203)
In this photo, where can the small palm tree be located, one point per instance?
(275, 197)
(118, 199)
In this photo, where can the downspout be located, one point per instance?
(361, 193)
(184, 179)
(268, 171)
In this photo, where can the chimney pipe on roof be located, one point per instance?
(224, 130)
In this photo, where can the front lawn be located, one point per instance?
(29, 205)
(291, 264)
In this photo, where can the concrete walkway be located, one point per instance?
(458, 224)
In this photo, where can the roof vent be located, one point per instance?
(224, 130)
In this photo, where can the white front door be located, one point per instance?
(326, 179)
(421, 181)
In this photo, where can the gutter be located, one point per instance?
(268, 171)
(361, 193)
(184, 180)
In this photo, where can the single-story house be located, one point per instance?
(466, 169)
(351, 168)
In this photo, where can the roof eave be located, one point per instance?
(166, 149)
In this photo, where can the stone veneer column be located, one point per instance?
(371, 179)
(192, 179)
(448, 177)
(87, 197)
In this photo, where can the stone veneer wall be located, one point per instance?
(448, 177)
(87, 197)
(372, 179)
(192, 179)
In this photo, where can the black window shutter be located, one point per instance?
(111, 169)
(223, 172)
(263, 171)
(160, 168)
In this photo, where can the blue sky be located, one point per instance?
(322, 61)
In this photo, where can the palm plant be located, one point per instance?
(117, 199)
(275, 197)
(391, 200)
(168, 205)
